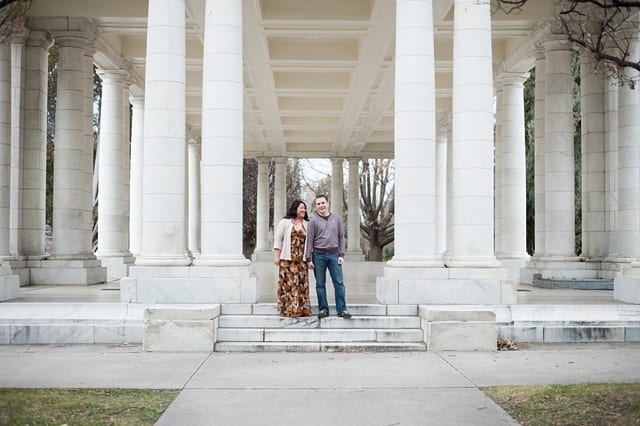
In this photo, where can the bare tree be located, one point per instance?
(377, 191)
(607, 30)
(12, 17)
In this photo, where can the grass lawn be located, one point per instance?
(83, 406)
(584, 404)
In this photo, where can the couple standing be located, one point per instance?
(318, 244)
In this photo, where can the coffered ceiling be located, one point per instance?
(318, 74)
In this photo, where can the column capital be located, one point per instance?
(336, 160)
(555, 42)
(354, 160)
(263, 160)
(39, 39)
(19, 36)
(512, 78)
(280, 160)
(136, 100)
(193, 143)
(114, 76)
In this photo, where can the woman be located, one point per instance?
(289, 245)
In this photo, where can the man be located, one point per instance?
(325, 250)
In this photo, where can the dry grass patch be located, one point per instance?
(83, 406)
(583, 404)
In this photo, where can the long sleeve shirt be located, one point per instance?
(325, 234)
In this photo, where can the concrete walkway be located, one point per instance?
(320, 388)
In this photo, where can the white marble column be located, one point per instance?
(262, 250)
(193, 148)
(354, 252)
(337, 187)
(513, 170)
(72, 213)
(594, 238)
(164, 151)
(35, 150)
(18, 50)
(628, 238)
(415, 132)
(135, 182)
(5, 148)
(611, 166)
(441, 191)
(222, 88)
(472, 148)
(279, 190)
(112, 212)
(539, 149)
(497, 174)
(559, 156)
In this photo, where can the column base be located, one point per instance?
(117, 267)
(67, 272)
(189, 284)
(513, 265)
(445, 286)
(19, 268)
(626, 286)
(566, 268)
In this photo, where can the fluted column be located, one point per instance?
(611, 166)
(513, 169)
(472, 147)
(262, 206)
(497, 185)
(279, 190)
(594, 238)
(559, 155)
(441, 192)
(35, 141)
(164, 151)
(112, 204)
(337, 187)
(5, 147)
(193, 244)
(539, 149)
(72, 206)
(415, 131)
(135, 182)
(353, 212)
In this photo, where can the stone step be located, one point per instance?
(320, 335)
(272, 321)
(355, 309)
(318, 347)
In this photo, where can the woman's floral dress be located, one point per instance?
(293, 282)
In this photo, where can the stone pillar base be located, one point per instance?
(566, 268)
(626, 286)
(262, 256)
(117, 267)
(189, 284)
(67, 272)
(445, 286)
(513, 266)
(180, 328)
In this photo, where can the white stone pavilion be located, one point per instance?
(191, 87)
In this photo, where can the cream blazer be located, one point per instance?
(282, 238)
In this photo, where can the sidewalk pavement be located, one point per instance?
(391, 388)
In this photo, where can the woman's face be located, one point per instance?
(301, 211)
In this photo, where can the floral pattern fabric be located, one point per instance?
(293, 280)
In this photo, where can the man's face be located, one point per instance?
(322, 206)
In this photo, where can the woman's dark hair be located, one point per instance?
(293, 210)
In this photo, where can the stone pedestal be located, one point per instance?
(189, 284)
(626, 286)
(459, 330)
(67, 272)
(262, 256)
(117, 267)
(9, 284)
(445, 286)
(180, 328)
(19, 268)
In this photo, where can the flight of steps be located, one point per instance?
(259, 328)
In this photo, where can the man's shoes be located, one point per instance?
(323, 314)
(345, 314)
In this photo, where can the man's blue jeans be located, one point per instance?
(322, 262)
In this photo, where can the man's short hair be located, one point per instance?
(322, 196)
